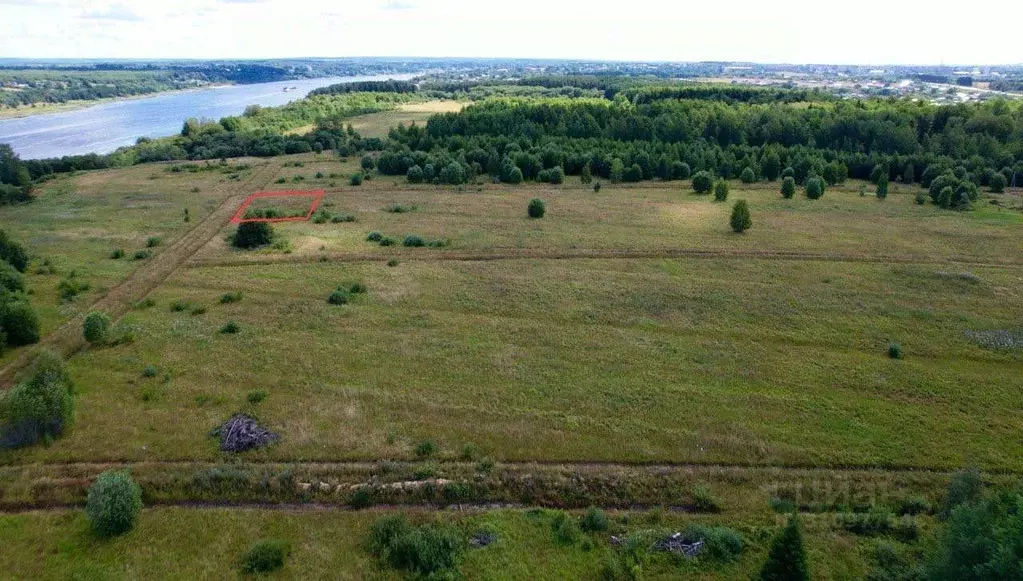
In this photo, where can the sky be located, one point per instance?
(779, 31)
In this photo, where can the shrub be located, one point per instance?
(71, 287)
(565, 528)
(40, 407)
(425, 550)
(228, 298)
(153, 242)
(596, 187)
(180, 305)
(788, 187)
(321, 216)
(149, 371)
(814, 188)
(198, 310)
(702, 182)
(721, 191)
(19, 322)
(368, 163)
(997, 183)
(265, 556)
(594, 520)
(256, 396)
(748, 176)
(873, 523)
(982, 541)
(339, 218)
(426, 448)
(882, 187)
(740, 220)
(921, 198)
(375, 236)
(113, 503)
(117, 254)
(787, 558)
(894, 350)
(10, 279)
(914, 505)
(788, 172)
(230, 328)
(966, 486)
(96, 327)
(252, 235)
(536, 209)
(388, 241)
(400, 208)
(415, 175)
(720, 543)
(393, 262)
(413, 241)
(361, 498)
(13, 253)
(338, 297)
(355, 180)
(357, 288)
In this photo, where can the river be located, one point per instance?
(105, 127)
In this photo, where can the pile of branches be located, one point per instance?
(242, 432)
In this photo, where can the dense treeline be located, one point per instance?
(670, 138)
(15, 178)
(29, 87)
(366, 87)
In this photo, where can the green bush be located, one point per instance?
(113, 503)
(966, 486)
(814, 188)
(230, 328)
(594, 520)
(426, 448)
(39, 408)
(338, 297)
(256, 396)
(149, 371)
(425, 550)
(393, 262)
(321, 216)
(388, 241)
(10, 279)
(142, 255)
(982, 540)
(740, 220)
(788, 187)
(153, 242)
(721, 191)
(565, 528)
(69, 288)
(596, 187)
(894, 350)
(415, 175)
(96, 327)
(357, 288)
(787, 559)
(265, 556)
(19, 322)
(720, 543)
(117, 254)
(413, 241)
(536, 209)
(748, 176)
(702, 182)
(355, 180)
(913, 505)
(339, 218)
(228, 298)
(882, 187)
(400, 208)
(252, 235)
(921, 198)
(876, 522)
(997, 183)
(13, 253)
(375, 236)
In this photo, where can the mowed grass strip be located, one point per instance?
(59, 545)
(669, 216)
(760, 362)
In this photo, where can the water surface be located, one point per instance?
(105, 127)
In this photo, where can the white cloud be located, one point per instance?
(870, 31)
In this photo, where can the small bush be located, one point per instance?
(375, 236)
(914, 505)
(153, 242)
(921, 198)
(228, 298)
(594, 521)
(965, 486)
(117, 254)
(740, 220)
(565, 528)
(355, 180)
(252, 235)
(894, 350)
(485, 465)
(10, 279)
(256, 396)
(339, 297)
(537, 208)
(425, 550)
(149, 371)
(413, 241)
(393, 262)
(180, 306)
(321, 217)
(145, 303)
(720, 543)
(113, 503)
(280, 181)
(426, 448)
(596, 187)
(748, 176)
(19, 322)
(357, 288)
(388, 241)
(230, 328)
(69, 288)
(339, 218)
(39, 408)
(814, 188)
(721, 190)
(873, 523)
(702, 182)
(265, 557)
(788, 187)
(96, 327)
(362, 497)
(400, 209)
(142, 255)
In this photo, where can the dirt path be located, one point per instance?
(67, 339)
(594, 253)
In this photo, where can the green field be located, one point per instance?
(627, 327)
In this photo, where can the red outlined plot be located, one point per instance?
(315, 195)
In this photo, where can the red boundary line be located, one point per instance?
(316, 195)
